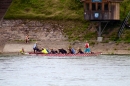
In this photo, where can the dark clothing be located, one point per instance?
(53, 52)
(62, 51)
(70, 51)
(36, 50)
(80, 51)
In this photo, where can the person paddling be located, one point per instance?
(44, 51)
(22, 51)
(87, 49)
(62, 51)
(71, 50)
(80, 51)
(35, 47)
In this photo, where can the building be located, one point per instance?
(101, 10)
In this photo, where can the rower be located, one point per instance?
(22, 51)
(62, 51)
(44, 51)
(80, 51)
(35, 48)
(87, 49)
(71, 50)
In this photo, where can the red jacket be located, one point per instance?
(87, 45)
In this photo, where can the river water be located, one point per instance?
(103, 70)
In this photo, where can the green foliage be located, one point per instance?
(125, 37)
(25, 1)
(129, 49)
(77, 31)
(125, 8)
(46, 9)
(74, 4)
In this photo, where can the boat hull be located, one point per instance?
(61, 55)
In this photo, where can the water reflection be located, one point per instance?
(104, 70)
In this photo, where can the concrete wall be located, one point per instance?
(37, 30)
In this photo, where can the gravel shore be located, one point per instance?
(105, 48)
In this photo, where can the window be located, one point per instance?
(106, 6)
(99, 6)
(93, 6)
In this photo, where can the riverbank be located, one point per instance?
(50, 34)
(105, 48)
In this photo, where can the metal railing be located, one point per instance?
(122, 27)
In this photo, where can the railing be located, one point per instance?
(122, 27)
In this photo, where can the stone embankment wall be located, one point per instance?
(37, 30)
(47, 33)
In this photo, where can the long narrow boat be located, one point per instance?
(61, 55)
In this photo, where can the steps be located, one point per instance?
(4, 4)
(123, 25)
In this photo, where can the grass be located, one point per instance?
(78, 31)
(46, 9)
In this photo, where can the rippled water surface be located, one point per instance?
(104, 70)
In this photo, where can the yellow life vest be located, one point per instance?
(21, 51)
(44, 51)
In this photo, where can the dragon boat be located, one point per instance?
(62, 55)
